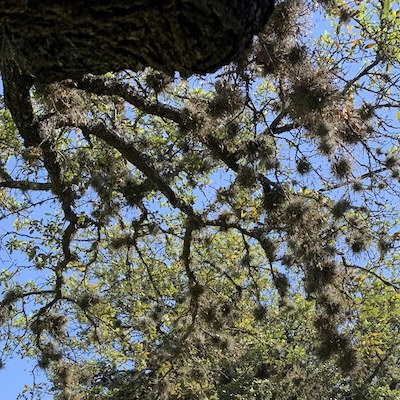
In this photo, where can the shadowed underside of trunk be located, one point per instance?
(55, 40)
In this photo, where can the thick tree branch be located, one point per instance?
(114, 87)
(117, 140)
(53, 41)
(26, 185)
(39, 134)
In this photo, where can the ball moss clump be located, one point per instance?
(226, 101)
(340, 208)
(281, 283)
(342, 168)
(311, 95)
(391, 161)
(326, 146)
(260, 313)
(357, 186)
(303, 166)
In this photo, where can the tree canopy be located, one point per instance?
(226, 236)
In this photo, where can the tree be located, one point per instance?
(226, 236)
(49, 41)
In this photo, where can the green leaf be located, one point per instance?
(386, 8)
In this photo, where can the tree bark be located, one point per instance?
(55, 40)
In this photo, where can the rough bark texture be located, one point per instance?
(54, 40)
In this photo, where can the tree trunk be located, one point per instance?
(54, 40)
